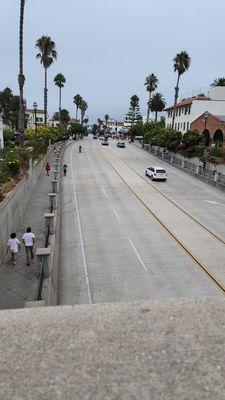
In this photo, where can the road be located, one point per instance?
(122, 240)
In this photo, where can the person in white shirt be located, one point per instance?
(28, 240)
(13, 245)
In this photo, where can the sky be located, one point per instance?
(106, 48)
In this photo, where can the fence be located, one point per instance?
(206, 173)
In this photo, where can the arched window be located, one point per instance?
(218, 137)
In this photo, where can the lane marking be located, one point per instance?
(80, 232)
(137, 254)
(192, 256)
(116, 214)
(103, 189)
(215, 202)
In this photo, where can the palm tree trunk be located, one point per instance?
(60, 109)
(175, 99)
(21, 77)
(156, 116)
(148, 111)
(76, 113)
(45, 97)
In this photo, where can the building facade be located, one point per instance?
(189, 110)
(1, 135)
(212, 127)
(30, 117)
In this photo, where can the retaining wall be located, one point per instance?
(13, 206)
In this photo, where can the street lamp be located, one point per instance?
(206, 118)
(35, 106)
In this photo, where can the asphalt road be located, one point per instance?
(114, 249)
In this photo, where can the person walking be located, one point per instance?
(28, 239)
(47, 168)
(14, 246)
(64, 169)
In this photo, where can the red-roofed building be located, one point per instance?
(212, 127)
(188, 110)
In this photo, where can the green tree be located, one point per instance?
(77, 101)
(83, 108)
(47, 55)
(106, 118)
(64, 116)
(157, 104)
(21, 77)
(9, 107)
(218, 82)
(151, 83)
(59, 81)
(181, 64)
(134, 104)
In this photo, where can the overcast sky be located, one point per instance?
(106, 48)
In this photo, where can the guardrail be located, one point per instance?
(205, 173)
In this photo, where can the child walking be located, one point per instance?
(14, 245)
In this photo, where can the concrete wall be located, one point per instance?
(13, 206)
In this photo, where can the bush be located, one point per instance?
(14, 167)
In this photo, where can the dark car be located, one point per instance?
(95, 137)
(121, 144)
(105, 143)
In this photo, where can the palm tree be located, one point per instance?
(181, 63)
(151, 83)
(21, 77)
(47, 55)
(77, 101)
(218, 82)
(106, 118)
(157, 104)
(134, 103)
(59, 81)
(83, 107)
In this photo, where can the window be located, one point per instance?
(189, 110)
(178, 125)
(179, 111)
(176, 112)
(39, 119)
(184, 125)
(187, 126)
(175, 125)
(181, 125)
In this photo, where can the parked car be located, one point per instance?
(95, 137)
(156, 173)
(121, 144)
(105, 142)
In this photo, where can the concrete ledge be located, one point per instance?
(159, 350)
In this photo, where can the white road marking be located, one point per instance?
(138, 256)
(211, 202)
(103, 189)
(80, 232)
(116, 214)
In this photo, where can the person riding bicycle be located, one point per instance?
(80, 148)
(64, 169)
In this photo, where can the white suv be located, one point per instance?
(156, 173)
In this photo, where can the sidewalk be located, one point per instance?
(18, 284)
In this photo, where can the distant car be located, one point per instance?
(121, 144)
(156, 173)
(95, 137)
(101, 138)
(105, 142)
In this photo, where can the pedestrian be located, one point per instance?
(54, 149)
(64, 169)
(28, 239)
(14, 246)
(203, 166)
(47, 167)
(214, 169)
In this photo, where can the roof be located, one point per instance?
(187, 102)
(221, 117)
(32, 110)
(212, 116)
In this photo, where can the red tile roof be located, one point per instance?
(187, 102)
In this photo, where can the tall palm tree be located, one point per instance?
(83, 108)
(157, 104)
(181, 64)
(47, 55)
(218, 82)
(106, 118)
(21, 77)
(77, 101)
(151, 83)
(134, 103)
(59, 81)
